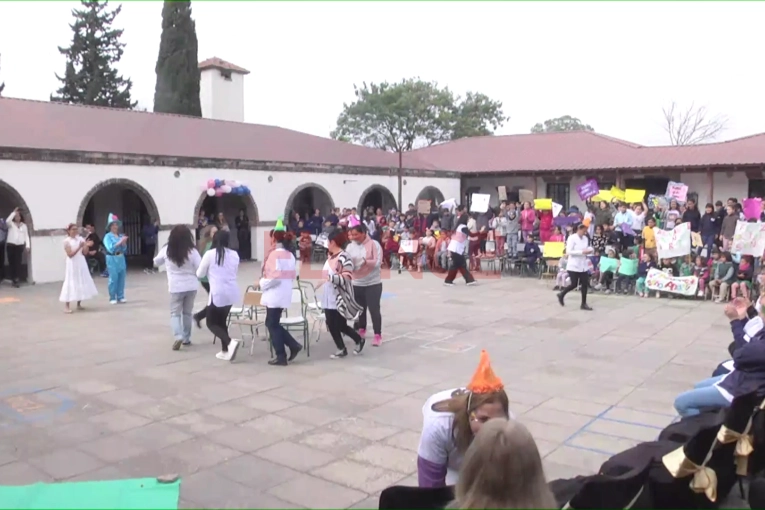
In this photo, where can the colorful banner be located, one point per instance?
(674, 243)
(588, 189)
(752, 208)
(553, 250)
(634, 196)
(749, 239)
(677, 190)
(662, 282)
(543, 204)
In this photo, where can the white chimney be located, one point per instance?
(221, 90)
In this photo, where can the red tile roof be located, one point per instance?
(579, 150)
(219, 63)
(56, 126)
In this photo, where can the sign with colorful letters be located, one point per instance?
(674, 243)
(749, 239)
(588, 189)
(662, 282)
(677, 191)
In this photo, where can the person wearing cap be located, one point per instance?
(116, 246)
(452, 418)
(577, 248)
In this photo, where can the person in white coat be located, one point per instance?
(276, 285)
(577, 250)
(17, 244)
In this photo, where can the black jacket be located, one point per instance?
(693, 217)
(748, 374)
(710, 224)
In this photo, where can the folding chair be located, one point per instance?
(244, 311)
(550, 270)
(251, 301)
(313, 307)
(299, 322)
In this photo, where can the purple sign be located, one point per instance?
(565, 221)
(588, 189)
(627, 229)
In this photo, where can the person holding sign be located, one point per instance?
(577, 250)
(627, 272)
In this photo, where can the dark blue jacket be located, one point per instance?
(710, 224)
(749, 363)
(643, 268)
(315, 224)
(531, 251)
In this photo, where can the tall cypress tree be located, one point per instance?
(177, 89)
(90, 76)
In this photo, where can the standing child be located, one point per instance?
(649, 237)
(645, 265)
(305, 244)
(599, 240)
(528, 217)
(513, 230)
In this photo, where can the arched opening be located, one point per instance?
(133, 205)
(10, 199)
(306, 199)
(377, 197)
(431, 193)
(208, 210)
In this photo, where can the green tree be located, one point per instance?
(177, 88)
(565, 123)
(398, 117)
(90, 77)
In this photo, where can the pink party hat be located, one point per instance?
(353, 221)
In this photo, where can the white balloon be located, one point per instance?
(225, 188)
(210, 192)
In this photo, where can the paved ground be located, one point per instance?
(100, 394)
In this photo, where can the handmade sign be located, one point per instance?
(752, 208)
(628, 267)
(542, 204)
(556, 208)
(634, 196)
(323, 240)
(749, 239)
(423, 206)
(565, 221)
(220, 187)
(627, 229)
(662, 282)
(696, 241)
(525, 195)
(410, 246)
(502, 193)
(604, 196)
(588, 189)
(658, 201)
(479, 203)
(618, 193)
(553, 250)
(677, 191)
(608, 264)
(449, 203)
(674, 243)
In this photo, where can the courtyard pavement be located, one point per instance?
(100, 395)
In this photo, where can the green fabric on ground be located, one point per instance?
(142, 493)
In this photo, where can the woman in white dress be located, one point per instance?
(78, 284)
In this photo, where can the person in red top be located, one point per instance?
(545, 225)
(528, 216)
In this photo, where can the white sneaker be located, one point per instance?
(222, 356)
(122, 301)
(113, 302)
(232, 348)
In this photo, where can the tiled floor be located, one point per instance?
(100, 394)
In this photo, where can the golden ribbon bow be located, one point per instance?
(744, 446)
(704, 478)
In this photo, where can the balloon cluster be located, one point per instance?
(219, 187)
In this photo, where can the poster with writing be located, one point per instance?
(588, 189)
(752, 208)
(409, 246)
(677, 190)
(662, 282)
(502, 192)
(525, 195)
(658, 201)
(479, 203)
(423, 207)
(749, 239)
(696, 241)
(674, 243)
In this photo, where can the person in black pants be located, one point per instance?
(204, 244)
(366, 254)
(456, 250)
(577, 249)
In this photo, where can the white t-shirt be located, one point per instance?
(329, 294)
(437, 440)
(458, 240)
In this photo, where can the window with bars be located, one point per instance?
(560, 193)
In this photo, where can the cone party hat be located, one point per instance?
(353, 221)
(485, 380)
(279, 224)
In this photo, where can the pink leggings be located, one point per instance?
(739, 286)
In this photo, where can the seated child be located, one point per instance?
(305, 244)
(627, 272)
(561, 279)
(744, 278)
(701, 271)
(606, 272)
(428, 250)
(532, 253)
(686, 267)
(442, 253)
(668, 267)
(390, 248)
(723, 275)
(557, 236)
(645, 265)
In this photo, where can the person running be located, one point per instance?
(220, 265)
(456, 250)
(366, 254)
(182, 260)
(577, 249)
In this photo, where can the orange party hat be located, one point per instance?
(485, 380)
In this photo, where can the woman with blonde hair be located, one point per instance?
(450, 421)
(502, 469)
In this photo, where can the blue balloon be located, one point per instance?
(245, 190)
(218, 183)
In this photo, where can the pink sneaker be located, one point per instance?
(377, 341)
(363, 333)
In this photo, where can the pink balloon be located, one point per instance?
(211, 183)
(219, 193)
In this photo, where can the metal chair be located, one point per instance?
(251, 301)
(313, 306)
(298, 322)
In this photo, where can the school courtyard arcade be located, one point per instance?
(63, 163)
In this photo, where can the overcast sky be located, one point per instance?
(613, 65)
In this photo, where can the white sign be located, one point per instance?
(449, 203)
(661, 282)
(408, 246)
(322, 240)
(479, 203)
(749, 239)
(677, 190)
(674, 243)
(557, 208)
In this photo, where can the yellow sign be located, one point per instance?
(553, 250)
(634, 196)
(543, 204)
(604, 196)
(617, 193)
